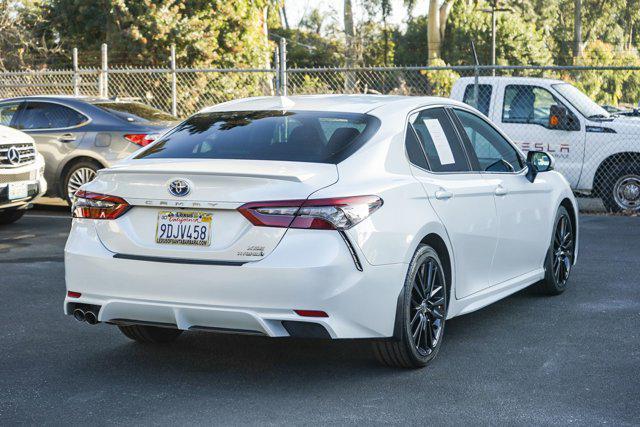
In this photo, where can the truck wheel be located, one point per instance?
(622, 192)
(10, 215)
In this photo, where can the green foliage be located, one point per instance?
(377, 46)
(411, 46)
(310, 49)
(519, 42)
(609, 86)
(440, 81)
(216, 33)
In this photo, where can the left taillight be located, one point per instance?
(340, 213)
(141, 139)
(98, 206)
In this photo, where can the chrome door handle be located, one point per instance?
(443, 194)
(501, 191)
(67, 137)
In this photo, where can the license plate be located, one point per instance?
(184, 228)
(18, 190)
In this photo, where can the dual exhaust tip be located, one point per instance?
(85, 316)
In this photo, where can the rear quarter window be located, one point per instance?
(135, 112)
(484, 97)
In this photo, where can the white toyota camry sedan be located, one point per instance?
(329, 216)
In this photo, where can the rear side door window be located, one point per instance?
(9, 113)
(494, 152)
(483, 102)
(439, 141)
(47, 115)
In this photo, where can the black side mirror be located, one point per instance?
(562, 119)
(538, 161)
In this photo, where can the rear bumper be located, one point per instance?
(308, 270)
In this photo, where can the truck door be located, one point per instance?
(523, 112)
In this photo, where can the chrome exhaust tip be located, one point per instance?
(91, 318)
(79, 315)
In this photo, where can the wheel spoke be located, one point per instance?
(416, 317)
(437, 302)
(427, 334)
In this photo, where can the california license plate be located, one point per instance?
(18, 190)
(184, 228)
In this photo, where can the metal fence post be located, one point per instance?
(276, 66)
(283, 67)
(76, 76)
(104, 73)
(174, 89)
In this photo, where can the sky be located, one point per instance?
(297, 8)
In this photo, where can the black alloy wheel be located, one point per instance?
(421, 314)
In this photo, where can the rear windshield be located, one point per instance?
(300, 136)
(135, 112)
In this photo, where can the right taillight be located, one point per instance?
(339, 213)
(98, 206)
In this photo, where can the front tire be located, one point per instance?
(150, 334)
(10, 215)
(560, 255)
(422, 314)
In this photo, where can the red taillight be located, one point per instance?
(98, 206)
(339, 213)
(311, 313)
(141, 139)
(72, 294)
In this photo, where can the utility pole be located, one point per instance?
(493, 11)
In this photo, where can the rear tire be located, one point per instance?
(560, 255)
(11, 215)
(422, 314)
(150, 334)
(78, 174)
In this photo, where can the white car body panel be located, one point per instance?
(310, 269)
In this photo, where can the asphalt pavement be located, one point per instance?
(528, 359)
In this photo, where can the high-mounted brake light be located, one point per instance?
(141, 139)
(339, 213)
(98, 206)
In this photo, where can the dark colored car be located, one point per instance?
(79, 135)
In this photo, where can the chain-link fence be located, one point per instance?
(598, 153)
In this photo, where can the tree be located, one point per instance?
(410, 46)
(206, 33)
(519, 43)
(21, 46)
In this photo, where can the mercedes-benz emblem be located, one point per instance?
(13, 155)
(179, 188)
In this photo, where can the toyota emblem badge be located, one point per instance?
(179, 188)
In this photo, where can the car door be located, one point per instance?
(521, 205)
(462, 199)
(56, 129)
(524, 114)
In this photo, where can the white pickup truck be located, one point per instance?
(598, 153)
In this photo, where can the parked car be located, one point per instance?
(21, 174)
(319, 216)
(597, 152)
(79, 135)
